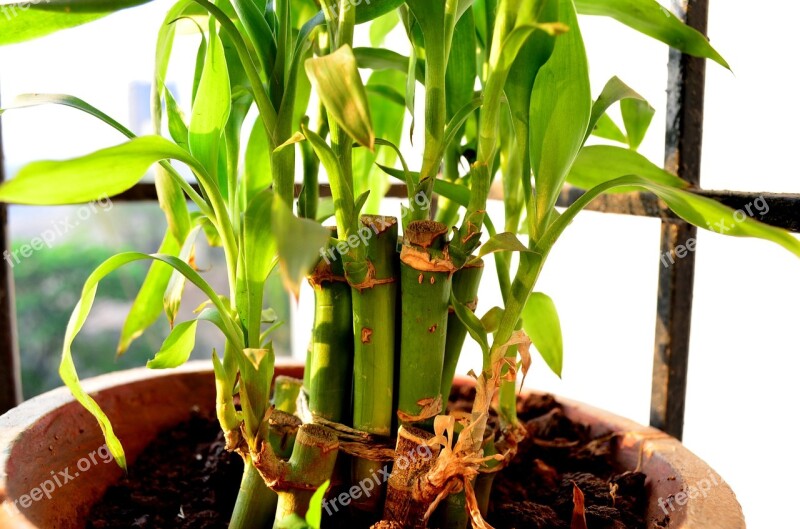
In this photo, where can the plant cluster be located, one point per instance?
(507, 103)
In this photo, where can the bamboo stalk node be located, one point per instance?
(431, 407)
(424, 262)
(370, 281)
(351, 441)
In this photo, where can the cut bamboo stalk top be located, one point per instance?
(378, 223)
(317, 436)
(426, 234)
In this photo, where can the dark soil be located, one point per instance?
(186, 480)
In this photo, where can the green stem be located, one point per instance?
(255, 504)
(330, 367)
(485, 480)
(287, 389)
(465, 289)
(374, 323)
(425, 282)
(311, 464)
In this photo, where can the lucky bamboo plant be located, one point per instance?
(507, 101)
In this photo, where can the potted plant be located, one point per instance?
(390, 318)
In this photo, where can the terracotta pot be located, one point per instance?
(50, 433)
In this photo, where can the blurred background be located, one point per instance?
(603, 275)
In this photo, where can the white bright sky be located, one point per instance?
(603, 275)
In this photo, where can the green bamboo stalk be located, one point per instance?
(287, 389)
(283, 428)
(425, 282)
(453, 512)
(311, 465)
(485, 480)
(256, 503)
(330, 367)
(374, 321)
(465, 289)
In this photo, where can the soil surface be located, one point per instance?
(186, 480)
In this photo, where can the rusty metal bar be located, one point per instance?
(685, 93)
(10, 385)
(784, 208)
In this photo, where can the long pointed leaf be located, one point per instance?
(336, 80)
(541, 323)
(654, 20)
(177, 348)
(67, 368)
(104, 173)
(23, 21)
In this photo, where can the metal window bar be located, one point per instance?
(676, 283)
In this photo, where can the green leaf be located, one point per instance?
(257, 163)
(67, 367)
(104, 173)
(293, 521)
(260, 33)
(371, 10)
(600, 163)
(491, 320)
(32, 100)
(695, 209)
(383, 59)
(345, 206)
(338, 84)
(314, 514)
(177, 348)
(560, 111)
(614, 90)
(300, 242)
(174, 292)
(502, 242)
(23, 21)
(176, 121)
(637, 115)
(149, 302)
(211, 107)
(474, 326)
(606, 128)
(257, 369)
(259, 249)
(381, 27)
(541, 323)
(654, 20)
(388, 116)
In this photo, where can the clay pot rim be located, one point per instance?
(662, 454)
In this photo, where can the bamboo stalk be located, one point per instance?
(425, 282)
(310, 465)
(283, 428)
(414, 459)
(374, 321)
(465, 289)
(287, 389)
(485, 480)
(256, 503)
(331, 360)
